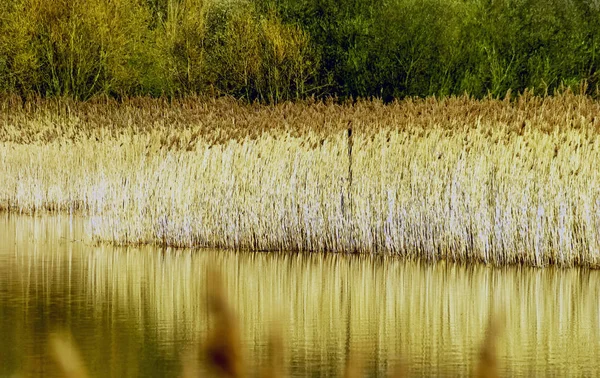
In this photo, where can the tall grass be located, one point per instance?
(493, 181)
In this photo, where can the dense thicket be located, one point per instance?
(274, 50)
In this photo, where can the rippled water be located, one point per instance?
(133, 312)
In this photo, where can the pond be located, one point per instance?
(138, 312)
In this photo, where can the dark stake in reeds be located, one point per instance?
(349, 210)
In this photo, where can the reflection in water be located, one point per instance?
(135, 311)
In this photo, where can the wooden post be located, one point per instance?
(350, 212)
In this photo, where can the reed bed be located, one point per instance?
(500, 182)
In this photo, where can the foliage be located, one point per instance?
(274, 50)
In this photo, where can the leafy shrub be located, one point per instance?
(274, 50)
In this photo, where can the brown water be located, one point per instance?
(133, 312)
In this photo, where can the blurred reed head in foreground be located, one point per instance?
(222, 355)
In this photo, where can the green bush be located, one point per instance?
(76, 48)
(274, 50)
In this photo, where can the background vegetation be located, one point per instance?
(273, 50)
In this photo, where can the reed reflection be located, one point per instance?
(138, 311)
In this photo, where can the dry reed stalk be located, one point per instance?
(67, 357)
(487, 366)
(223, 348)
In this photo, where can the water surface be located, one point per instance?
(134, 312)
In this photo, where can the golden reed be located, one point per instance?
(500, 182)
